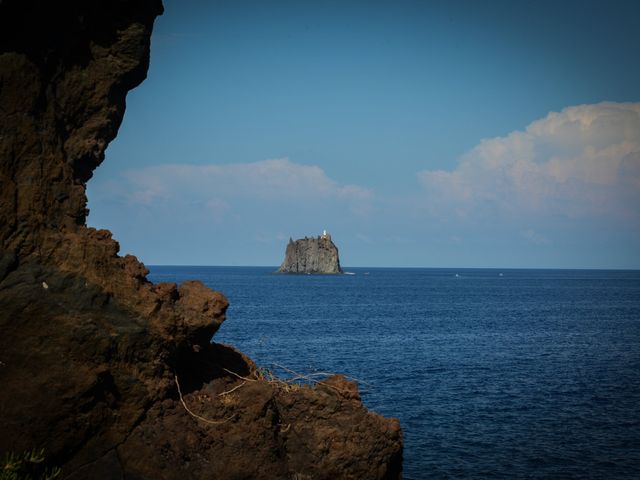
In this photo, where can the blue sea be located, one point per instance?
(492, 373)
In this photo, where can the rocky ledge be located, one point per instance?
(316, 255)
(114, 376)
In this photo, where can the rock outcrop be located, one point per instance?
(317, 255)
(114, 376)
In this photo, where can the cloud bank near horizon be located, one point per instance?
(266, 179)
(254, 203)
(568, 184)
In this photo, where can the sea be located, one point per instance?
(493, 373)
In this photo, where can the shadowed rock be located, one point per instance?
(91, 352)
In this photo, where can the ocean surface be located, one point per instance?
(492, 373)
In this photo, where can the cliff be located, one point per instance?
(114, 376)
(311, 255)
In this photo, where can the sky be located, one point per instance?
(500, 134)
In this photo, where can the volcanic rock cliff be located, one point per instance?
(311, 255)
(114, 376)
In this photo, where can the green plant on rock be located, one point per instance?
(29, 465)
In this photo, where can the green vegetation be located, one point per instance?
(29, 465)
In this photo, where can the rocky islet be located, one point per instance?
(313, 255)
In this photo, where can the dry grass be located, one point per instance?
(229, 400)
(291, 384)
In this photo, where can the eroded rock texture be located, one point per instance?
(317, 255)
(91, 352)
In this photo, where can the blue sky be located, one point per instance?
(444, 134)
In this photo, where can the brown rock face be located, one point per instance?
(91, 352)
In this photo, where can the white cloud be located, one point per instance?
(279, 177)
(580, 162)
(219, 187)
(217, 208)
(534, 237)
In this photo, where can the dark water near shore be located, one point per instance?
(532, 374)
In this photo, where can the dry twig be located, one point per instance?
(195, 415)
(232, 390)
(240, 376)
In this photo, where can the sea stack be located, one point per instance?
(317, 255)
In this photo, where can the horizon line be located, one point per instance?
(621, 269)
